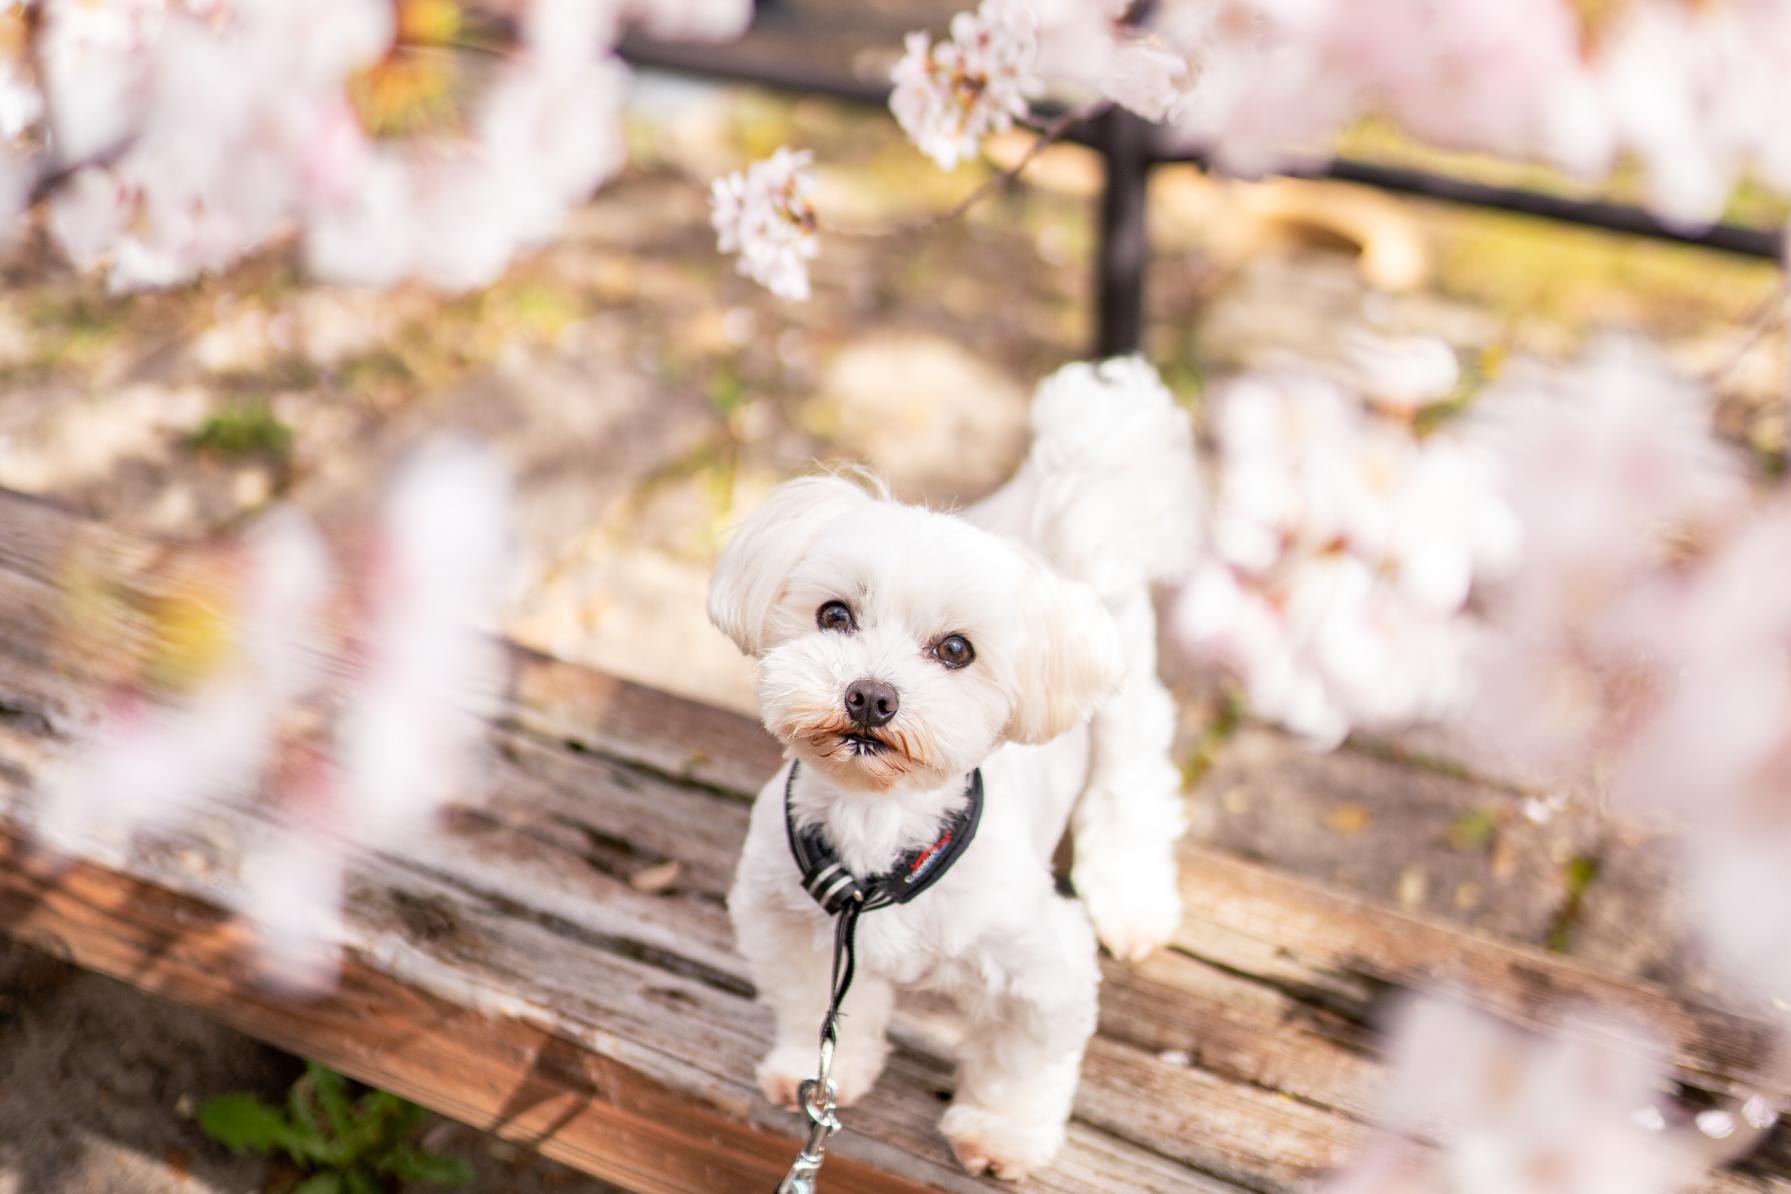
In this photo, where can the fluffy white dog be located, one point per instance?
(900, 650)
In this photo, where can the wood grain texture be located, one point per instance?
(508, 973)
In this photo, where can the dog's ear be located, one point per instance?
(750, 575)
(1070, 657)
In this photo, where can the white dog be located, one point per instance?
(900, 651)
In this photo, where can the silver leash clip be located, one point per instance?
(818, 1097)
(817, 1104)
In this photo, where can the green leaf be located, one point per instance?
(360, 1183)
(377, 1123)
(1475, 829)
(243, 1123)
(320, 1183)
(243, 430)
(331, 1089)
(302, 1116)
(426, 1168)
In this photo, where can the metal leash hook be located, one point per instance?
(817, 1096)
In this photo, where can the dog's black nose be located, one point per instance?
(871, 703)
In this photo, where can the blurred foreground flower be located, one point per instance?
(176, 137)
(1641, 644)
(952, 93)
(1580, 1110)
(242, 652)
(1709, 749)
(453, 210)
(1090, 46)
(1616, 476)
(350, 740)
(1342, 551)
(423, 680)
(764, 213)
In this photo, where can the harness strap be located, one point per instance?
(845, 897)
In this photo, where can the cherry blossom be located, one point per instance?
(1642, 638)
(952, 93)
(454, 213)
(765, 214)
(214, 125)
(1276, 80)
(1089, 46)
(294, 886)
(1611, 468)
(152, 759)
(1401, 374)
(1515, 1112)
(1262, 94)
(429, 666)
(417, 696)
(1692, 90)
(688, 20)
(1710, 752)
(1343, 551)
(200, 132)
(330, 745)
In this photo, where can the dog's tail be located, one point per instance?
(1109, 491)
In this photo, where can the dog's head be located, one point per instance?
(898, 646)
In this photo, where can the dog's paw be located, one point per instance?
(1134, 911)
(1004, 1146)
(784, 1070)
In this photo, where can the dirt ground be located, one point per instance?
(643, 393)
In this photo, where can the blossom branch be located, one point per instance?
(1047, 135)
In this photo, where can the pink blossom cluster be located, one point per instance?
(1342, 545)
(1575, 575)
(1088, 50)
(1618, 484)
(764, 214)
(193, 132)
(952, 93)
(1688, 89)
(427, 669)
(1579, 1109)
(1276, 80)
(353, 738)
(1644, 638)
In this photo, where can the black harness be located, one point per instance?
(845, 896)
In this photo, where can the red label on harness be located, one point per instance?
(924, 863)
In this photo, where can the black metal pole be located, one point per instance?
(1587, 213)
(1124, 142)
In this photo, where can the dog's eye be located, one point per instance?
(954, 651)
(836, 615)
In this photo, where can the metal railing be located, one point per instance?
(1131, 148)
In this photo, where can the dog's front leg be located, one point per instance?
(1022, 1053)
(1130, 814)
(792, 965)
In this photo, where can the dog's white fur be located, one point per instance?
(1061, 708)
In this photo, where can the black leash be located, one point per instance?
(846, 897)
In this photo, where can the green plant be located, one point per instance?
(345, 1142)
(247, 429)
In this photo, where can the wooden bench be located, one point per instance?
(519, 976)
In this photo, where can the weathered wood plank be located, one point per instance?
(1344, 953)
(494, 1072)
